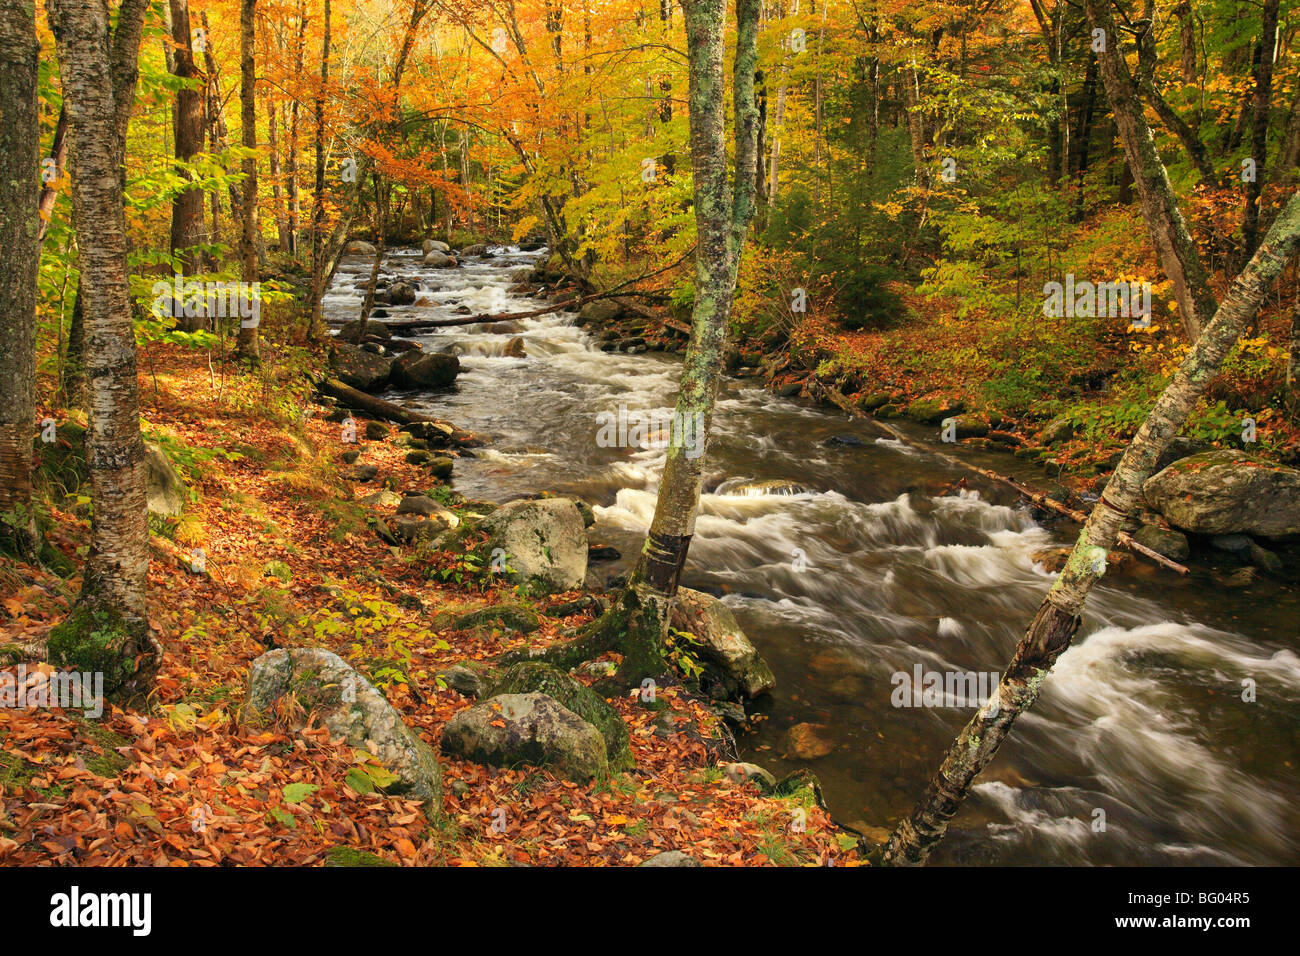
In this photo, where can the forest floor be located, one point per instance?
(179, 778)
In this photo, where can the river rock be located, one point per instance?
(165, 492)
(747, 772)
(731, 663)
(359, 247)
(425, 370)
(545, 541)
(808, 741)
(1172, 544)
(513, 729)
(361, 368)
(352, 331)
(434, 245)
(515, 348)
(599, 312)
(537, 677)
(932, 411)
(1228, 492)
(401, 293)
(476, 249)
(438, 259)
(349, 706)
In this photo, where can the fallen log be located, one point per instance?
(379, 408)
(1124, 539)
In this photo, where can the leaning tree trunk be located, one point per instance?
(246, 348)
(638, 621)
(19, 260)
(1059, 616)
(1169, 235)
(107, 631)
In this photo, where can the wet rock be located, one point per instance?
(353, 332)
(597, 553)
(1232, 543)
(599, 312)
(363, 370)
(1265, 560)
(513, 729)
(1171, 544)
(401, 293)
(358, 247)
(850, 441)
(434, 245)
(808, 741)
(732, 665)
(747, 488)
(335, 696)
(438, 260)
(436, 434)
(933, 411)
(425, 370)
(515, 348)
(477, 249)
(545, 541)
(1228, 492)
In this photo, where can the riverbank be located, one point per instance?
(290, 558)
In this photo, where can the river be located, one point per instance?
(1141, 749)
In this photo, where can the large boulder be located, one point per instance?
(438, 259)
(359, 247)
(401, 293)
(434, 245)
(599, 312)
(732, 665)
(164, 489)
(362, 369)
(349, 706)
(538, 677)
(1228, 492)
(514, 729)
(425, 370)
(544, 541)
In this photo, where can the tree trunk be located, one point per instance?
(187, 129)
(107, 631)
(723, 210)
(1164, 221)
(1059, 616)
(1259, 126)
(246, 348)
(318, 198)
(20, 253)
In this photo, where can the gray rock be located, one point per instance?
(401, 293)
(434, 245)
(545, 541)
(382, 498)
(1265, 560)
(362, 369)
(425, 370)
(1228, 492)
(164, 489)
(366, 472)
(462, 680)
(477, 249)
(410, 528)
(513, 729)
(671, 858)
(599, 311)
(438, 259)
(352, 331)
(745, 772)
(349, 706)
(1172, 544)
(731, 663)
(1232, 543)
(358, 247)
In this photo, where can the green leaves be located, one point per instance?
(298, 792)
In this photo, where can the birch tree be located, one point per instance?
(1059, 615)
(724, 206)
(107, 630)
(19, 259)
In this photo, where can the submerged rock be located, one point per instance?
(349, 706)
(513, 729)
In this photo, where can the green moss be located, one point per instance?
(537, 677)
(351, 856)
(511, 617)
(90, 640)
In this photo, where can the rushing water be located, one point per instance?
(881, 561)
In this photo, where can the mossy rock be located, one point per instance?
(91, 640)
(351, 856)
(510, 617)
(538, 677)
(933, 411)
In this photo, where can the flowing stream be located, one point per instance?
(872, 560)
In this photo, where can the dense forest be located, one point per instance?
(560, 432)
